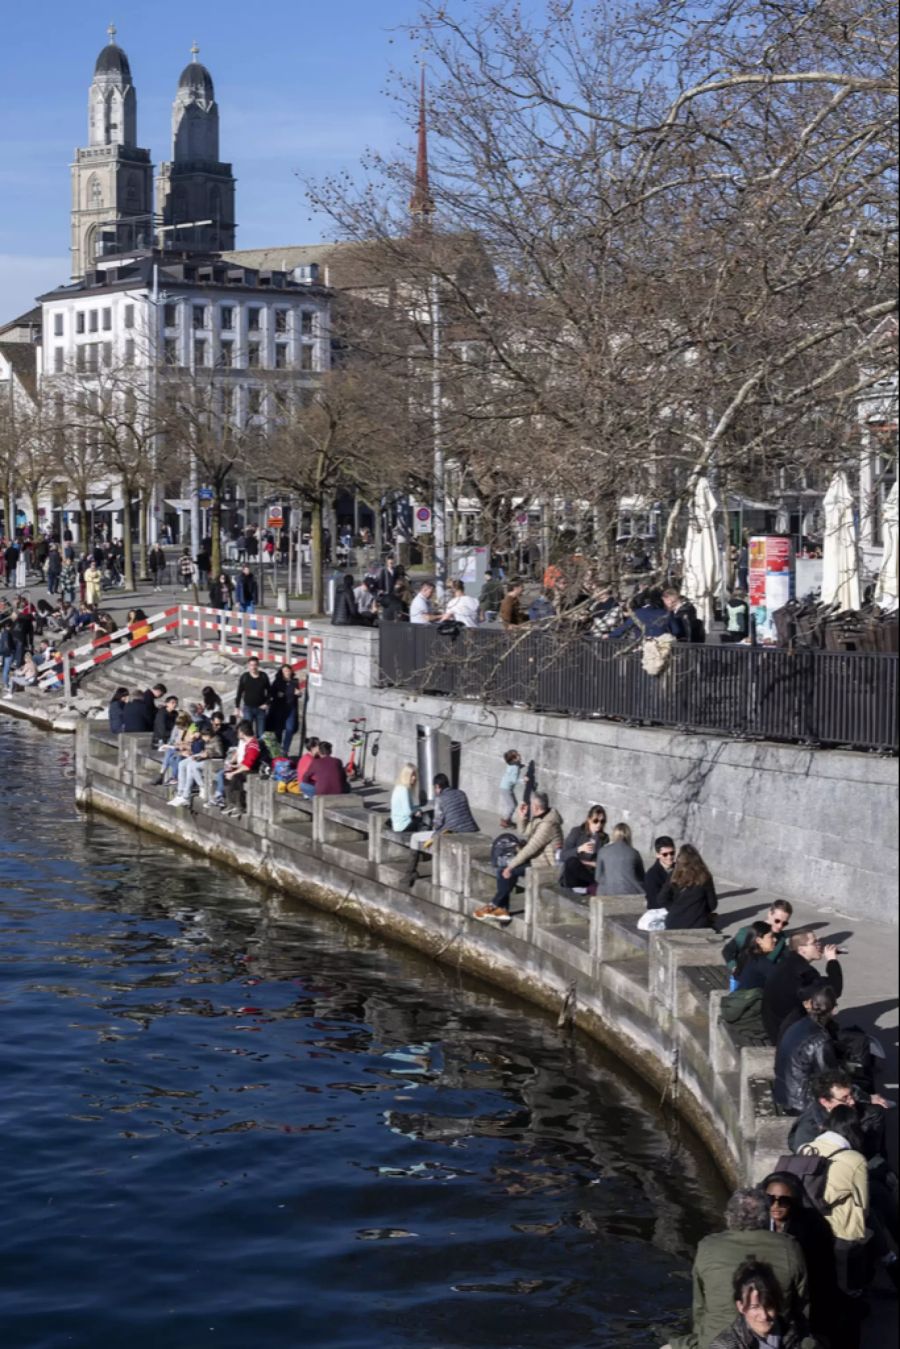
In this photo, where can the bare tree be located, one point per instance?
(690, 218)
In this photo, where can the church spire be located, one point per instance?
(421, 203)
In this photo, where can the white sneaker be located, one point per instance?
(177, 801)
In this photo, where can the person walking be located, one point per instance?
(581, 850)
(345, 611)
(512, 772)
(246, 591)
(254, 696)
(283, 710)
(93, 582)
(221, 593)
(54, 567)
(689, 894)
(156, 565)
(512, 615)
(187, 570)
(619, 869)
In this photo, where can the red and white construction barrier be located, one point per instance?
(271, 637)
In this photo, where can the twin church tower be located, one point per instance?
(112, 177)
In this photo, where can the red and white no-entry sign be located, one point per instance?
(316, 659)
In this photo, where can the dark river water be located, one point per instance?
(229, 1120)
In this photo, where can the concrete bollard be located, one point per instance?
(606, 944)
(674, 951)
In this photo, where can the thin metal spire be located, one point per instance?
(421, 203)
(111, 30)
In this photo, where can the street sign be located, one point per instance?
(204, 494)
(422, 520)
(316, 660)
(275, 522)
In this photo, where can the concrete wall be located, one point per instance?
(637, 993)
(819, 825)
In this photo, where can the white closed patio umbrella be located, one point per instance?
(701, 579)
(886, 592)
(840, 560)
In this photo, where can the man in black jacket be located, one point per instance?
(805, 1050)
(660, 871)
(137, 715)
(780, 995)
(254, 693)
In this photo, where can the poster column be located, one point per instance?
(771, 581)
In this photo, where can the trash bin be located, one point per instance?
(281, 601)
(435, 753)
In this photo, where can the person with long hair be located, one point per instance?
(761, 1317)
(805, 1049)
(405, 814)
(689, 894)
(579, 852)
(753, 968)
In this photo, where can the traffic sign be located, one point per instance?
(316, 660)
(422, 520)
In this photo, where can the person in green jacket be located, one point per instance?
(760, 1319)
(747, 1236)
(778, 916)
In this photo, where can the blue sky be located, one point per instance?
(300, 87)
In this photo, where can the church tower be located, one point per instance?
(112, 179)
(195, 186)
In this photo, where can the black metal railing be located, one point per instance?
(833, 698)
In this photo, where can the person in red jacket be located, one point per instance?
(246, 761)
(326, 773)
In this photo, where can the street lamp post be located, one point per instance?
(440, 489)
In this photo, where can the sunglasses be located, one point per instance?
(779, 1200)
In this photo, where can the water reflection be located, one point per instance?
(233, 1120)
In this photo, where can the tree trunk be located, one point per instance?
(83, 524)
(317, 552)
(143, 511)
(34, 517)
(215, 534)
(127, 542)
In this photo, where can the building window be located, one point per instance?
(107, 320)
(199, 351)
(57, 325)
(170, 351)
(281, 355)
(227, 316)
(129, 351)
(226, 354)
(227, 402)
(93, 321)
(107, 353)
(253, 360)
(59, 360)
(91, 353)
(198, 316)
(306, 357)
(129, 316)
(254, 401)
(281, 320)
(170, 315)
(306, 323)
(79, 321)
(253, 320)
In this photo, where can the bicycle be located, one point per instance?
(360, 736)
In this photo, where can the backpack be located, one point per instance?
(503, 850)
(269, 751)
(282, 769)
(743, 1009)
(811, 1171)
(855, 1051)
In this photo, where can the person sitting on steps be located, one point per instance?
(543, 839)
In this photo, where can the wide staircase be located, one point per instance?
(185, 672)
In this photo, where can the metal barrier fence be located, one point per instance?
(808, 697)
(272, 637)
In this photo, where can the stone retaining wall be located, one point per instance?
(642, 1000)
(814, 825)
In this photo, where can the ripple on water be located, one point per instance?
(222, 1126)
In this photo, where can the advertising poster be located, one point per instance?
(771, 581)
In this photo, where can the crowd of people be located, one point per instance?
(798, 1253)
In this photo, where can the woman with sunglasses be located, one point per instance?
(579, 852)
(789, 1215)
(777, 917)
